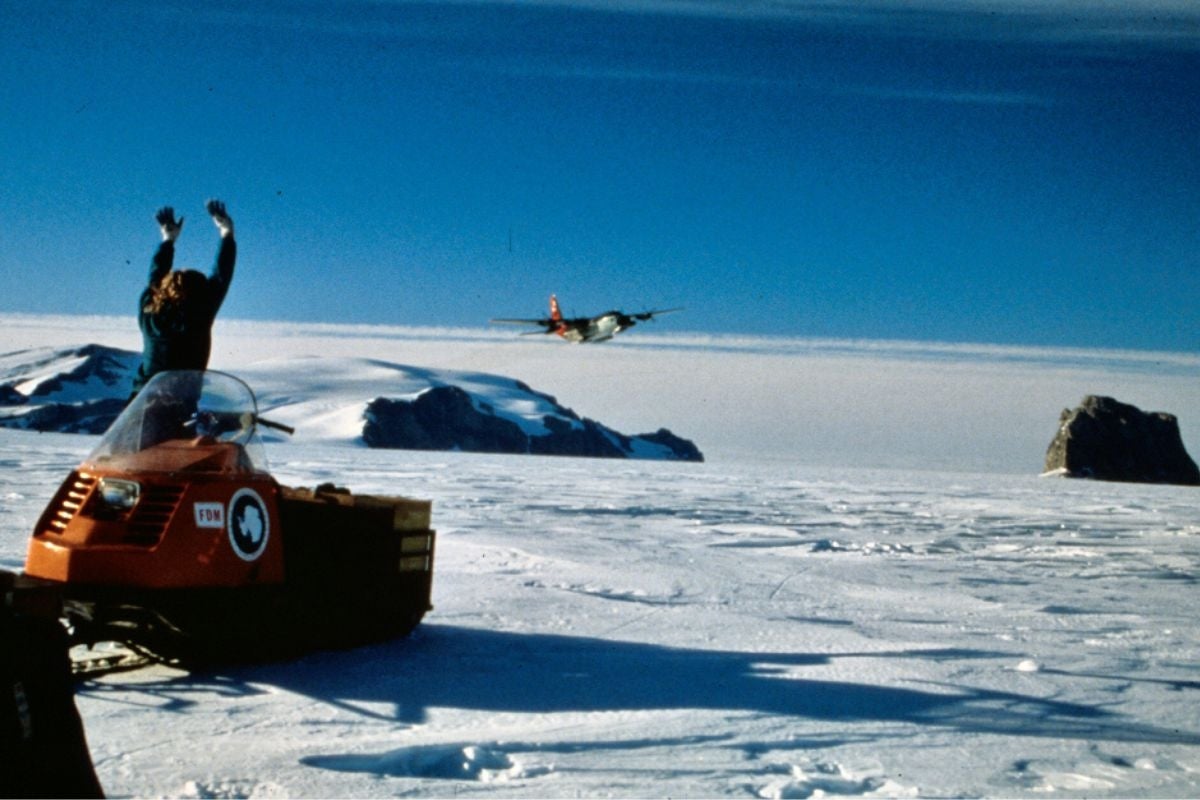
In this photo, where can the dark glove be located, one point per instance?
(167, 223)
(220, 218)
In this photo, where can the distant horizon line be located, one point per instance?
(1171, 361)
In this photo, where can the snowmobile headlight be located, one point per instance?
(119, 494)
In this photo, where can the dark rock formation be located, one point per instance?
(684, 449)
(442, 418)
(90, 416)
(107, 365)
(446, 418)
(1113, 441)
(589, 439)
(83, 398)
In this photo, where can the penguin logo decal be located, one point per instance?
(248, 524)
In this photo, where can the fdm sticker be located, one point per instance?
(209, 515)
(248, 524)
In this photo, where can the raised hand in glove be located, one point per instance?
(167, 223)
(220, 218)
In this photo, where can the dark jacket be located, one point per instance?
(43, 747)
(181, 339)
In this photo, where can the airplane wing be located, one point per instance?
(600, 328)
(545, 323)
(645, 315)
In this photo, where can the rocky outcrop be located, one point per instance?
(684, 449)
(448, 418)
(442, 418)
(103, 368)
(1113, 441)
(73, 390)
(89, 416)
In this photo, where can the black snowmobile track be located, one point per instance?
(93, 665)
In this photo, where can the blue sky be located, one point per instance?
(944, 170)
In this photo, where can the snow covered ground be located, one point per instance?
(754, 626)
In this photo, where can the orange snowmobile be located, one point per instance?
(172, 538)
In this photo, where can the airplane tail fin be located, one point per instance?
(555, 313)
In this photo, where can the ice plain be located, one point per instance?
(751, 626)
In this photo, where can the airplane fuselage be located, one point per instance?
(597, 329)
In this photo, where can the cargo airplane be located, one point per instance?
(599, 328)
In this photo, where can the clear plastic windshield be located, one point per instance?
(187, 406)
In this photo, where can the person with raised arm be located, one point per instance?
(177, 308)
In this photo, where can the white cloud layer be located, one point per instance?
(1168, 22)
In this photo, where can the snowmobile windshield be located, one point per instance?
(189, 408)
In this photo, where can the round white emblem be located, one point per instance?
(248, 524)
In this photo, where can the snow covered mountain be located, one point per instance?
(71, 390)
(348, 400)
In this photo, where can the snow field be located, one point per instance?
(635, 628)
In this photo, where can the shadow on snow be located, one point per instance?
(468, 668)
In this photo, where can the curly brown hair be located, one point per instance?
(173, 291)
